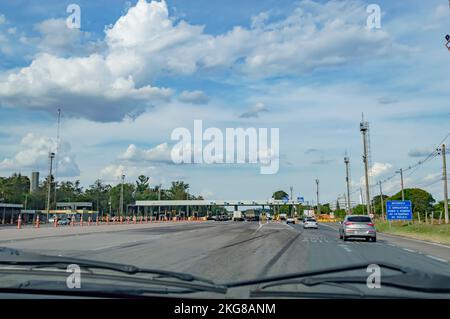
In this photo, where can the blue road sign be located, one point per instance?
(398, 210)
(301, 199)
(285, 199)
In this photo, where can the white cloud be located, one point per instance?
(56, 38)
(379, 169)
(254, 111)
(160, 153)
(33, 154)
(145, 43)
(113, 173)
(193, 97)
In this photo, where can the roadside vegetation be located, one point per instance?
(429, 232)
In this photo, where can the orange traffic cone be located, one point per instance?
(19, 222)
(37, 221)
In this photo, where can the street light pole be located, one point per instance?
(51, 156)
(347, 179)
(121, 197)
(364, 128)
(317, 195)
(444, 178)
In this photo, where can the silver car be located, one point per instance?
(310, 223)
(358, 226)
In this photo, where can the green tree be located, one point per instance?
(422, 201)
(279, 195)
(142, 184)
(179, 190)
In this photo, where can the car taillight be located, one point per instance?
(348, 223)
(371, 224)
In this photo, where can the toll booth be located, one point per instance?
(9, 213)
(76, 211)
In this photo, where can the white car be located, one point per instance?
(310, 223)
(290, 220)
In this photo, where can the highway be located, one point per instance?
(226, 251)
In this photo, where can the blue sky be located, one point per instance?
(137, 70)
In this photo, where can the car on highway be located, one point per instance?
(357, 226)
(310, 223)
(290, 220)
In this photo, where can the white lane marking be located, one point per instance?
(346, 248)
(437, 258)
(416, 240)
(410, 250)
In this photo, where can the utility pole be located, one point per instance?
(57, 152)
(159, 198)
(51, 156)
(364, 127)
(444, 178)
(347, 180)
(362, 198)
(317, 196)
(381, 201)
(401, 182)
(121, 197)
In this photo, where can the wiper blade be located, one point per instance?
(10, 256)
(304, 274)
(408, 279)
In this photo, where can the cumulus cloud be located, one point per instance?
(145, 43)
(56, 38)
(159, 153)
(378, 169)
(114, 172)
(33, 154)
(193, 97)
(254, 111)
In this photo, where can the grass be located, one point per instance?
(434, 233)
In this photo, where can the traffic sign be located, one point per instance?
(398, 210)
(301, 199)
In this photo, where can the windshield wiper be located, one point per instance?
(408, 279)
(15, 257)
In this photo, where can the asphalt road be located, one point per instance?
(230, 251)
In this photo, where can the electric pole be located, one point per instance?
(317, 196)
(444, 178)
(401, 182)
(57, 153)
(364, 127)
(362, 198)
(121, 197)
(347, 179)
(381, 201)
(159, 198)
(51, 156)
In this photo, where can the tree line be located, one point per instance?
(16, 190)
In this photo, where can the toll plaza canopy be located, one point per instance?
(265, 202)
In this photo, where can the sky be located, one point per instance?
(137, 70)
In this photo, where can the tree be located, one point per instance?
(142, 184)
(376, 203)
(179, 190)
(279, 195)
(98, 193)
(422, 201)
(128, 190)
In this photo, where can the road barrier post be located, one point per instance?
(96, 221)
(81, 220)
(55, 222)
(37, 221)
(19, 222)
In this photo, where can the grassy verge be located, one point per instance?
(433, 233)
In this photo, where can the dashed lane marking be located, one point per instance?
(437, 258)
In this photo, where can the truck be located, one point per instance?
(282, 217)
(251, 215)
(238, 216)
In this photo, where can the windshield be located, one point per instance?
(206, 149)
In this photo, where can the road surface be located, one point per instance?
(227, 251)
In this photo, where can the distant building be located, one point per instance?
(34, 184)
